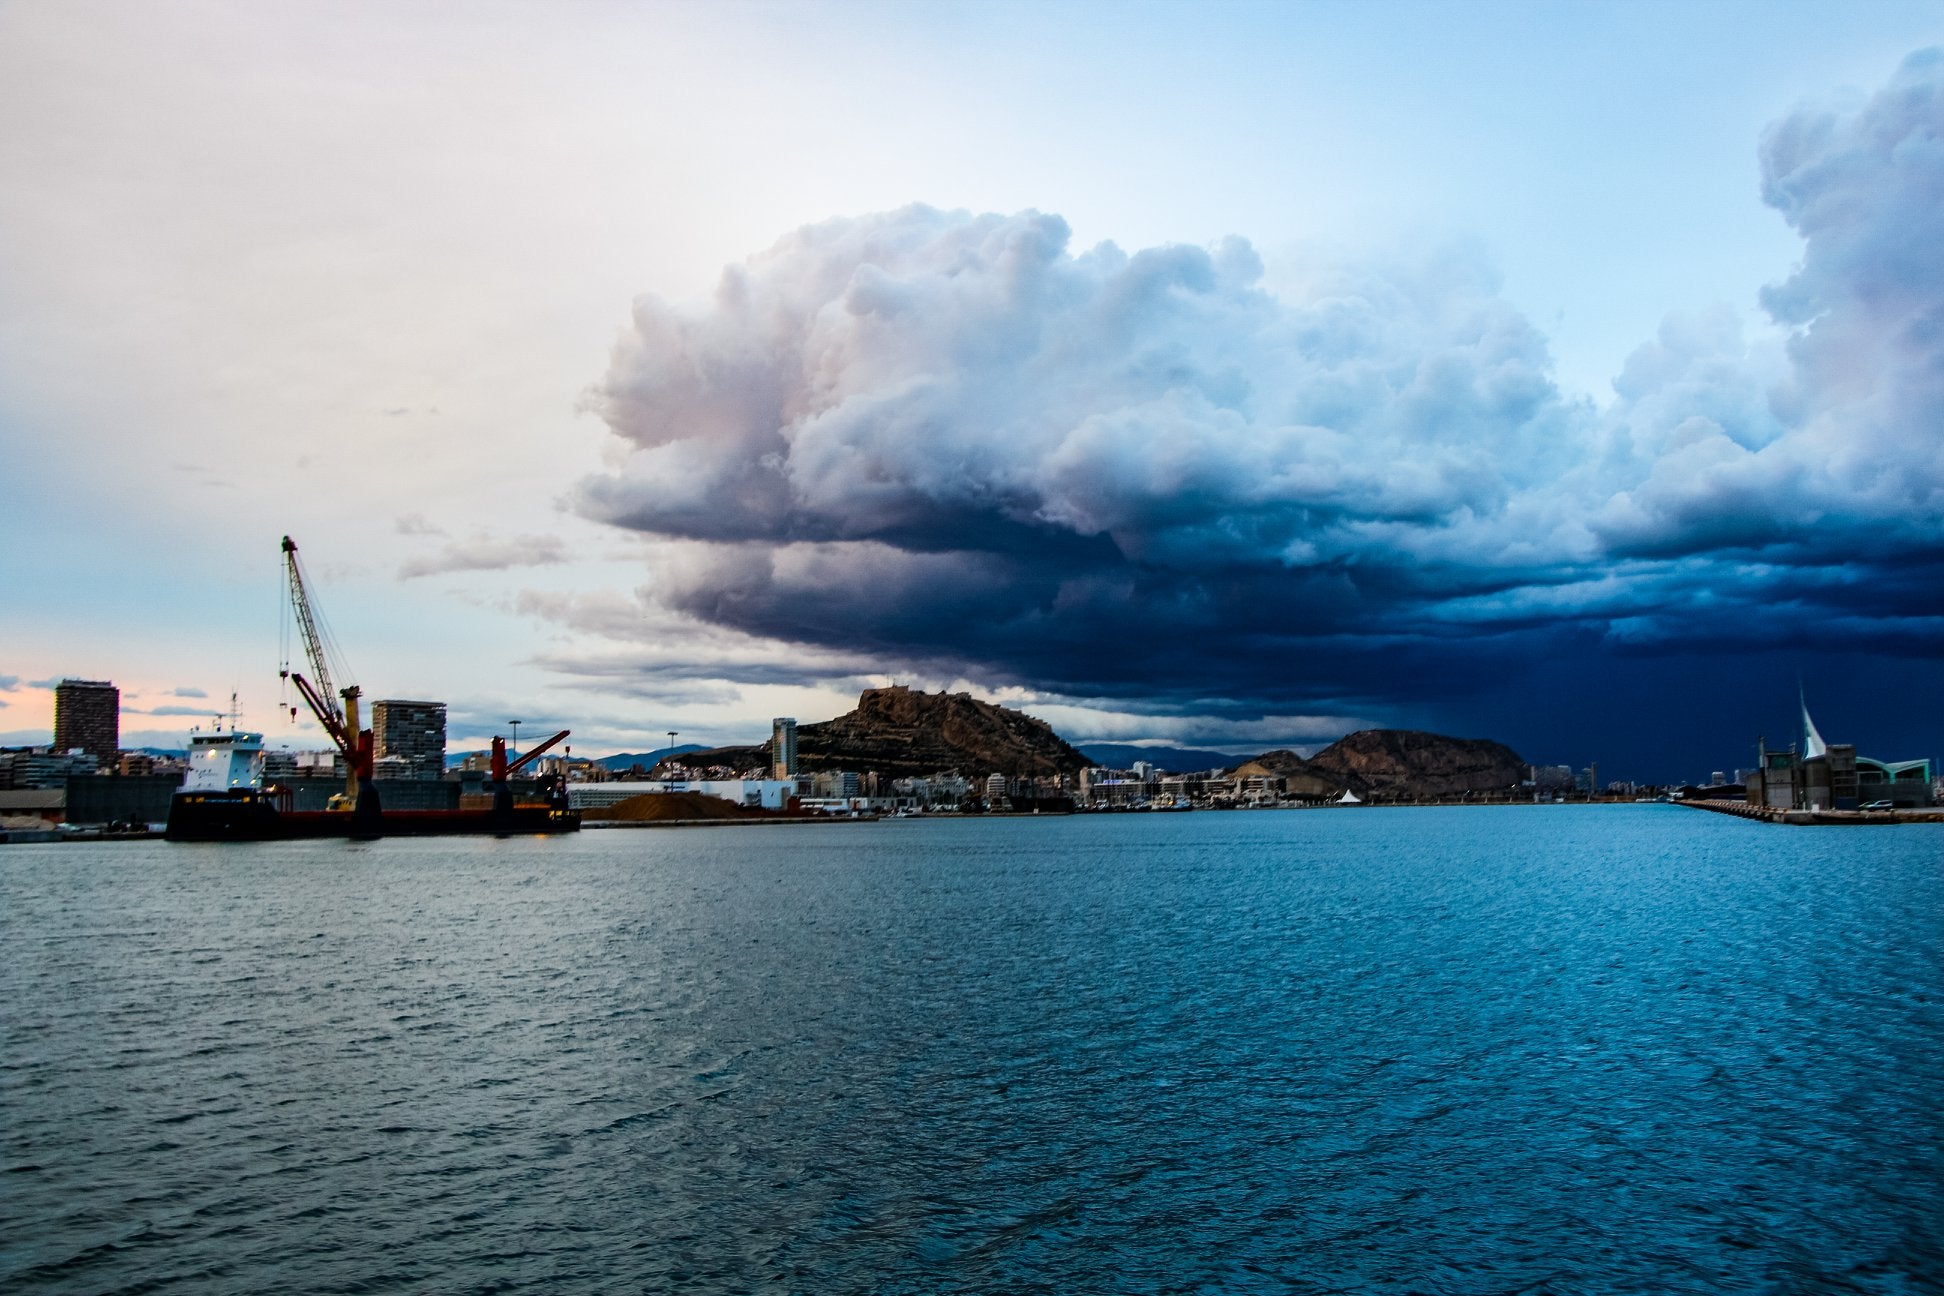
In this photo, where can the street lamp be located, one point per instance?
(516, 735)
(668, 761)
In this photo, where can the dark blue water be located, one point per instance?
(1631, 1049)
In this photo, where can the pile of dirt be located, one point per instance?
(651, 807)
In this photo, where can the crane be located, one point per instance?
(504, 769)
(340, 722)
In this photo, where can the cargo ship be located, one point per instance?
(225, 796)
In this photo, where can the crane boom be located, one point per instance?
(313, 644)
(336, 708)
(503, 767)
(345, 742)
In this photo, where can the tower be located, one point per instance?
(413, 730)
(783, 751)
(87, 715)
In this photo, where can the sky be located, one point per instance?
(1224, 375)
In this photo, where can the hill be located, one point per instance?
(1298, 778)
(1396, 763)
(900, 732)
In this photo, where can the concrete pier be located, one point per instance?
(1824, 818)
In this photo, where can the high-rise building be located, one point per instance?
(413, 731)
(783, 753)
(87, 715)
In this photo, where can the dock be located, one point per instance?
(1819, 818)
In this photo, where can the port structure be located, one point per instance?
(340, 722)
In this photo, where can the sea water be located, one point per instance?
(1532, 1049)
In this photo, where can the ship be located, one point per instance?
(226, 797)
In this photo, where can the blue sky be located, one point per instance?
(1232, 375)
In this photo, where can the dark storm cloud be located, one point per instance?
(939, 438)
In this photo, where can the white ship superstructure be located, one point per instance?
(220, 761)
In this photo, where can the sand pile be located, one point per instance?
(653, 806)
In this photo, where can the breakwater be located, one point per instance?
(1810, 818)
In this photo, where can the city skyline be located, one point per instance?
(1531, 372)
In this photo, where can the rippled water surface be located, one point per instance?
(1490, 1050)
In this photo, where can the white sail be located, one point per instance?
(1812, 742)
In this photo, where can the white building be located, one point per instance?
(769, 794)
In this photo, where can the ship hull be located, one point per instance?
(251, 816)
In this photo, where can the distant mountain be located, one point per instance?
(901, 732)
(1395, 763)
(1176, 760)
(649, 759)
(619, 761)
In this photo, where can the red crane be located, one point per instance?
(340, 722)
(502, 770)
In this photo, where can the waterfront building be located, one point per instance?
(41, 767)
(783, 747)
(935, 790)
(839, 784)
(1550, 778)
(1831, 776)
(1107, 787)
(87, 717)
(320, 764)
(769, 794)
(415, 732)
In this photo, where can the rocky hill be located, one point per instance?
(1298, 778)
(1396, 763)
(900, 731)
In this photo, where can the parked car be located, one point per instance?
(1879, 805)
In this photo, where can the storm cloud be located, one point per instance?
(954, 442)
